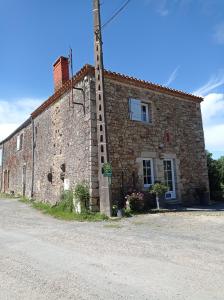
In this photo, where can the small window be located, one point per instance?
(148, 176)
(140, 111)
(19, 142)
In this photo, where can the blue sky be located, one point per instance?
(177, 43)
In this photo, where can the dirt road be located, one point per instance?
(164, 256)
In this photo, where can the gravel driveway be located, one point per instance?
(163, 256)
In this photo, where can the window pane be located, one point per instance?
(147, 172)
(149, 180)
(135, 109)
(169, 175)
(171, 185)
(148, 164)
(168, 163)
(144, 113)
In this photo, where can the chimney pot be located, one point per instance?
(61, 72)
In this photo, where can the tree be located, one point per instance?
(216, 176)
(159, 189)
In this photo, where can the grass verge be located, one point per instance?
(7, 196)
(59, 213)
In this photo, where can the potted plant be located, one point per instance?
(159, 189)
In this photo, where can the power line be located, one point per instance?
(116, 13)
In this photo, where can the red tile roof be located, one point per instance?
(88, 69)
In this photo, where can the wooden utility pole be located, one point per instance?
(104, 185)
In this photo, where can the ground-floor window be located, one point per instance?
(169, 178)
(148, 175)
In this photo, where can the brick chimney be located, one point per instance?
(61, 72)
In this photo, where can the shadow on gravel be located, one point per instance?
(203, 208)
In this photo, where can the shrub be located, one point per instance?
(135, 201)
(114, 210)
(81, 195)
(66, 203)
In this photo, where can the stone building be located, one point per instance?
(154, 133)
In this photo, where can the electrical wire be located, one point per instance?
(116, 14)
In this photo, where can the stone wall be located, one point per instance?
(64, 136)
(129, 140)
(17, 164)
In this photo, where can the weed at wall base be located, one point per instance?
(61, 213)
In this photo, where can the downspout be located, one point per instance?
(33, 164)
(2, 166)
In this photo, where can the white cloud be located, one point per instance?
(213, 121)
(165, 7)
(160, 6)
(213, 112)
(214, 82)
(219, 34)
(214, 138)
(172, 77)
(14, 112)
(213, 108)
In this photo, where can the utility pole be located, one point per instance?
(103, 158)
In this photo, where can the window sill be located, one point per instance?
(142, 122)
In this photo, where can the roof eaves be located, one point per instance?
(152, 86)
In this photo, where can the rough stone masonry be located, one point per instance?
(154, 133)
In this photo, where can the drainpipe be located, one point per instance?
(2, 166)
(33, 147)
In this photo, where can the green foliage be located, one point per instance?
(24, 200)
(114, 210)
(58, 212)
(81, 194)
(66, 203)
(158, 189)
(4, 195)
(216, 176)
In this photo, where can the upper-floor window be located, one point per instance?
(140, 111)
(19, 142)
(1, 157)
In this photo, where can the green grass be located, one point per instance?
(6, 196)
(59, 213)
(25, 200)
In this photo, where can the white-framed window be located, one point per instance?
(148, 172)
(1, 157)
(169, 178)
(19, 142)
(140, 111)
